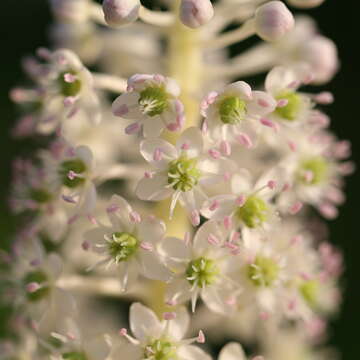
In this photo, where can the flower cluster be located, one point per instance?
(193, 190)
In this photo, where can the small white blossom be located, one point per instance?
(151, 100)
(249, 205)
(71, 170)
(181, 172)
(129, 243)
(235, 112)
(234, 351)
(161, 340)
(202, 267)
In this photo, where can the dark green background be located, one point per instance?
(24, 27)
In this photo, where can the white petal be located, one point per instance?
(178, 290)
(175, 251)
(179, 326)
(127, 105)
(225, 206)
(261, 104)
(192, 139)
(191, 352)
(152, 127)
(143, 321)
(201, 237)
(153, 189)
(214, 297)
(278, 79)
(120, 218)
(172, 87)
(151, 230)
(85, 154)
(168, 152)
(241, 182)
(232, 351)
(97, 349)
(241, 88)
(152, 267)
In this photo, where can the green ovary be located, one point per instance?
(232, 110)
(202, 271)
(69, 88)
(263, 272)
(122, 246)
(37, 277)
(309, 291)
(183, 174)
(153, 100)
(75, 165)
(317, 166)
(291, 110)
(160, 349)
(41, 196)
(74, 355)
(254, 212)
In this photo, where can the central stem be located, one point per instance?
(184, 61)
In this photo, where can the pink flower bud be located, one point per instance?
(305, 3)
(194, 13)
(321, 54)
(273, 20)
(120, 12)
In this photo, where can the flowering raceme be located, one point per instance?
(193, 187)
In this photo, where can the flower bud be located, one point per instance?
(70, 11)
(305, 3)
(273, 20)
(194, 13)
(120, 12)
(321, 54)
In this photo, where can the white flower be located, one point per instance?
(236, 110)
(151, 100)
(293, 107)
(72, 171)
(234, 351)
(261, 274)
(30, 188)
(66, 340)
(202, 267)
(314, 173)
(129, 243)
(63, 87)
(248, 206)
(69, 82)
(35, 275)
(180, 172)
(160, 340)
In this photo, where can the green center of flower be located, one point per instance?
(202, 272)
(232, 110)
(75, 165)
(122, 245)
(291, 110)
(153, 100)
(317, 167)
(263, 271)
(37, 277)
(41, 196)
(160, 349)
(74, 355)
(183, 174)
(254, 212)
(309, 290)
(69, 88)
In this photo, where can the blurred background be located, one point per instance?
(24, 27)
